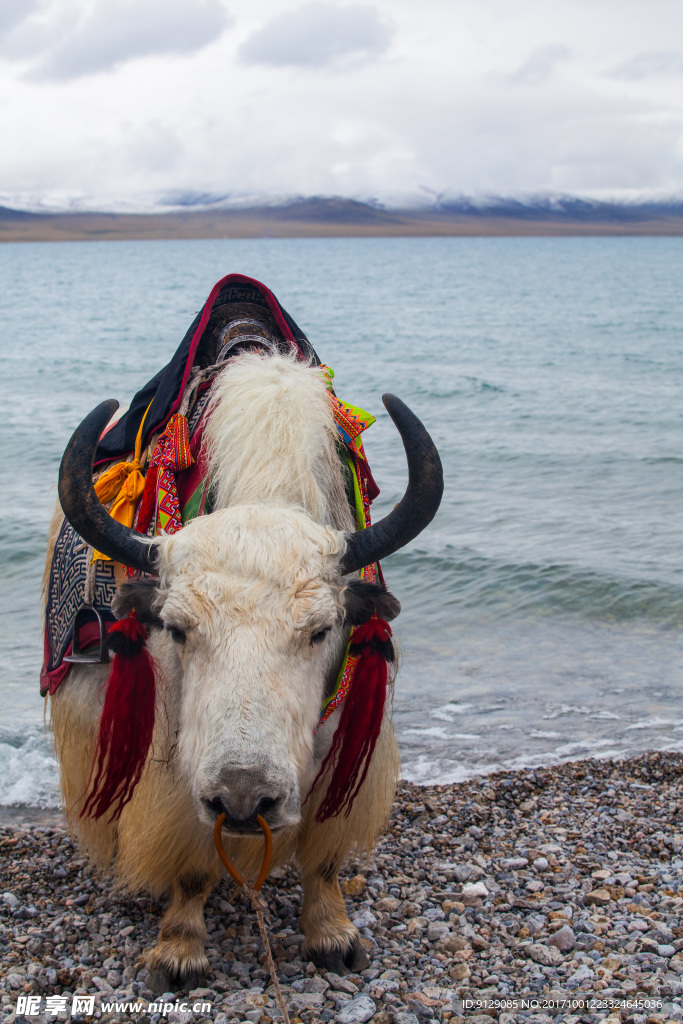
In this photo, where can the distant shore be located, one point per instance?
(343, 220)
(550, 884)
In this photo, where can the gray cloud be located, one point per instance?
(652, 64)
(483, 105)
(116, 31)
(12, 12)
(319, 34)
(539, 65)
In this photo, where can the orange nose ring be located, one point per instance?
(267, 853)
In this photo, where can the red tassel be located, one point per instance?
(127, 722)
(360, 723)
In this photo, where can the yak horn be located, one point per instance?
(419, 504)
(82, 507)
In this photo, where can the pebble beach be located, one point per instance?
(537, 895)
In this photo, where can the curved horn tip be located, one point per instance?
(388, 400)
(109, 404)
(419, 504)
(402, 414)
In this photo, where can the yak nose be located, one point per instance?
(245, 793)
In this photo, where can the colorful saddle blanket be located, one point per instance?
(177, 483)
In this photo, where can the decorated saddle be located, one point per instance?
(150, 470)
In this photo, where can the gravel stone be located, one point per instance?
(564, 938)
(358, 1011)
(549, 956)
(473, 890)
(666, 951)
(306, 1001)
(437, 930)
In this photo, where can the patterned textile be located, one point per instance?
(171, 456)
(191, 478)
(66, 587)
(351, 421)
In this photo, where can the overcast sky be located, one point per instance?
(118, 100)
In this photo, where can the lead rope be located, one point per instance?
(252, 893)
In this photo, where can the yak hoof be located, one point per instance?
(353, 960)
(160, 980)
(357, 959)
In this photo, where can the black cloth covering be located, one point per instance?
(165, 388)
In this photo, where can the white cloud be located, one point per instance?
(69, 43)
(319, 34)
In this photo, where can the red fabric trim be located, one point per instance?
(50, 681)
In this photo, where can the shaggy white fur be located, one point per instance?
(271, 437)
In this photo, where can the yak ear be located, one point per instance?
(141, 595)
(363, 599)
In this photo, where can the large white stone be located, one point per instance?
(358, 1011)
(474, 890)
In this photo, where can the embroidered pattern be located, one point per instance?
(65, 591)
(171, 456)
(341, 687)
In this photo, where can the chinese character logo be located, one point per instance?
(55, 1005)
(83, 1004)
(28, 1005)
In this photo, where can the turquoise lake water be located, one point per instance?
(543, 610)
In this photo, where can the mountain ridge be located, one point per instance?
(337, 216)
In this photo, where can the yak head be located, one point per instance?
(250, 608)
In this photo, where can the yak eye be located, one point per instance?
(318, 637)
(177, 635)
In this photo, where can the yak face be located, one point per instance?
(251, 616)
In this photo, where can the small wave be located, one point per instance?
(467, 580)
(435, 732)
(567, 709)
(426, 771)
(654, 723)
(463, 387)
(586, 710)
(28, 769)
(447, 711)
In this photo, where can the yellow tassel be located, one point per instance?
(122, 483)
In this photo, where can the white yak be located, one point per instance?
(248, 616)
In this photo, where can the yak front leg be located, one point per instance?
(331, 941)
(178, 960)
